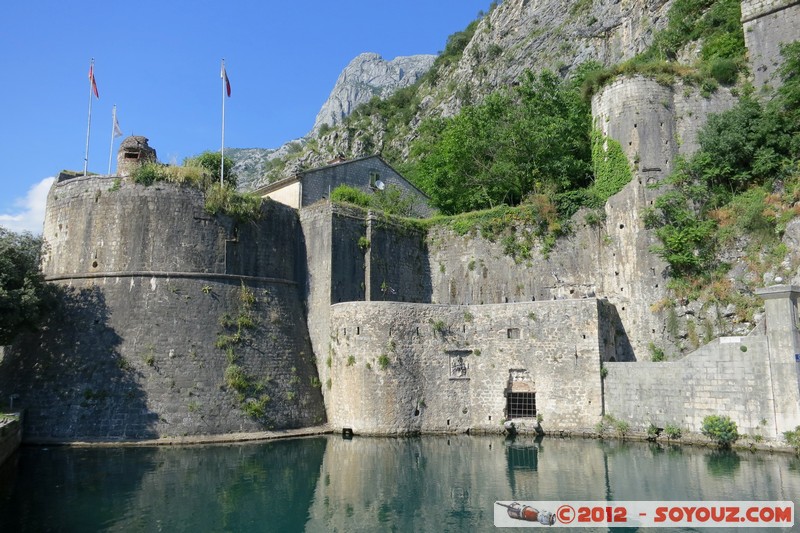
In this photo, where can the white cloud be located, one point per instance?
(29, 212)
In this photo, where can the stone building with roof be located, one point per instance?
(369, 174)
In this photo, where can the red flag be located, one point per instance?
(94, 83)
(224, 76)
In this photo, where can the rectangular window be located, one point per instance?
(521, 404)
(513, 333)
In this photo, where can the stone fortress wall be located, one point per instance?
(406, 368)
(752, 379)
(392, 367)
(148, 278)
(768, 25)
(410, 329)
(653, 124)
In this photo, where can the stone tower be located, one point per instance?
(133, 153)
(149, 282)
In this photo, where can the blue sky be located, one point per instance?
(159, 62)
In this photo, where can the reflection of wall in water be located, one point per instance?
(373, 484)
(367, 484)
(711, 474)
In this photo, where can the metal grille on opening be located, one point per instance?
(521, 404)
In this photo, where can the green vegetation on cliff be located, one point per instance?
(716, 24)
(530, 139)
(395, 114)
(532, 145)
(744, 181)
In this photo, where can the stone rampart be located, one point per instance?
(186, 324)
(403, 368)
(768, 25)
(397, 267)
(638, 113)
(753, 9)
(315, 222)
(720, 378)
(753, 379)
(96, 225)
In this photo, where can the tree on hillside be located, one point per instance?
(24, 296)
(531, 139)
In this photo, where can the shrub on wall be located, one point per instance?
(672, 431)
(793, 438)
(242, 207)
(350, 195)
(721, 429)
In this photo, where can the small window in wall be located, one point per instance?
(374, 180)
(521, 404)
(513, 333)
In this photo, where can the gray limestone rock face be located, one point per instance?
(366, 76)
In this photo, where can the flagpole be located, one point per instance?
(222, 151)
(89, 125)
(113, 131)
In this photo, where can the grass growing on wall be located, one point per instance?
(203, 173)
(251, 393)
(224, 200)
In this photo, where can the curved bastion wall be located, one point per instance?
(100, 225)
(169, 325)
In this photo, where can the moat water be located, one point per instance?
(327, 483)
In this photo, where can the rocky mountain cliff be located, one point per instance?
(366, 76)
(515, 36)
(545, 34)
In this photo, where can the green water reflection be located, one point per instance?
(363, 484)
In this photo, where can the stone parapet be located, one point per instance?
(753, 9)
(768, 25)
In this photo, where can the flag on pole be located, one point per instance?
(226, 89)
(92, 89)
(117, 130)
(224, 76)
(94, 83)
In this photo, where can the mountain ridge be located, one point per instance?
(366, 76)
